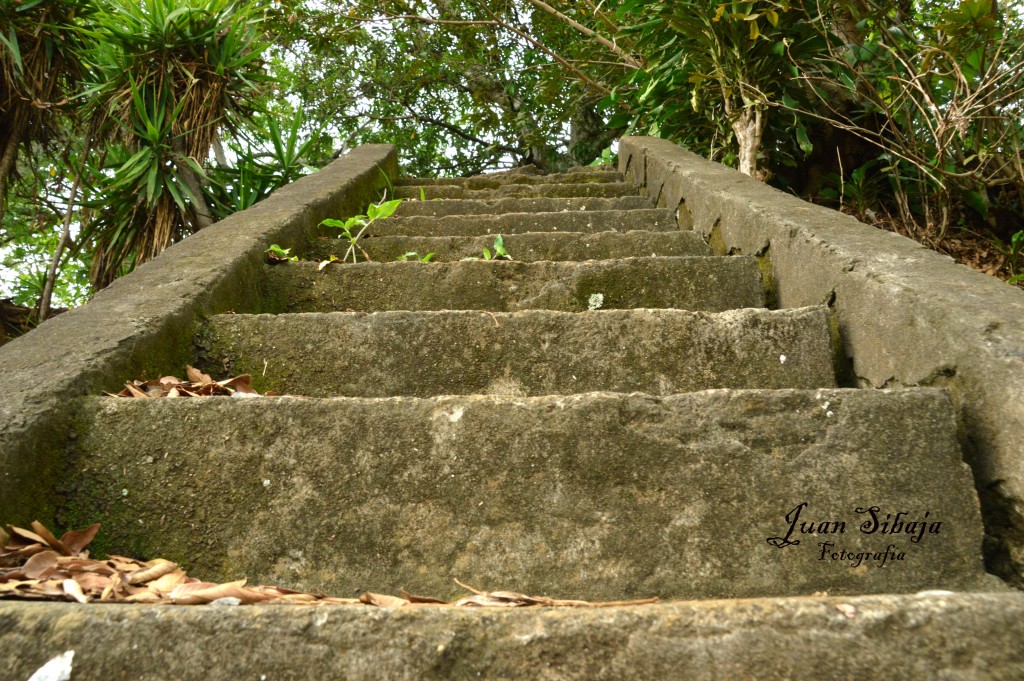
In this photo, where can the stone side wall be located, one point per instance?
(906, 315)
(145, 322)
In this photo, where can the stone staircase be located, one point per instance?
(614, 414)
(479, 420)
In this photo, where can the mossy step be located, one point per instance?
(690, 283)
(527, 247)
(597, 496)
(500, 180)
(555, 190)
(533, 352)
(650, 219)
(912, 637)
(443, 207)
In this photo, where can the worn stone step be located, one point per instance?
(533, 352)
(579, 189)
(443, 207)
(526, 247)
(650, 219)
(501, 180)
(702, 283)
(597, 496)
(912, 637)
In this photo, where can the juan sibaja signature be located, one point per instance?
(873, 521)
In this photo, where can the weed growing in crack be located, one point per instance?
(353, 228)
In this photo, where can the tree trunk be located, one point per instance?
(51, 273)
(204, 216)
(7, 160)
(749, 128)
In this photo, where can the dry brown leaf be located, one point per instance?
(417, 600)
(35, 566)
(198, 384)
(39, 571)
(135, 392)
(167, 583)
(15, 585)
(383, 600)
(73, 589)
(91, 582)
(143, 597)
(157, 569)
(54, 543)
(23, 537)
(79, 539)
(197, 376)
(198, 593)
(483, 600)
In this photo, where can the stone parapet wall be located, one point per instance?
(906, 315)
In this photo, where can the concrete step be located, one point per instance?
(500, 180)
(526, 247)
(702, 283)
(522, 191)
(596, 496)
(443, 207)
(651, 219)
(910, 637)
(533, 352)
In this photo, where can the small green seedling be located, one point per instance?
(499, 251)
(423, 194)
(374, 212)
(413, 255)
(276, 254)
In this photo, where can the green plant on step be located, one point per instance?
(607, 158)
(413, 255)
(276, 254)
(499, 251)
(353, 228)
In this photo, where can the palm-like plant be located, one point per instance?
(167, 76)
(40, 64)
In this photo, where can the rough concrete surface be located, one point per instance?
(484, 207)
(595, 496)
(495, 181)
(924, 637)
(529, 247)
(144, 321)
(710, 284)
(517, 223)
(907, 315)
(532, 352)
(522, 191)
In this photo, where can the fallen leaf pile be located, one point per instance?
(197, 385)
(34, 564)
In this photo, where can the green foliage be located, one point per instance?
(499, 251)
(413, 255)
(713, 70)
(166, 76)
(455, 99)
(1014, 252)
(938, 92)
(276, 254)
(41, 62)
(353, 228)
(267, 156)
